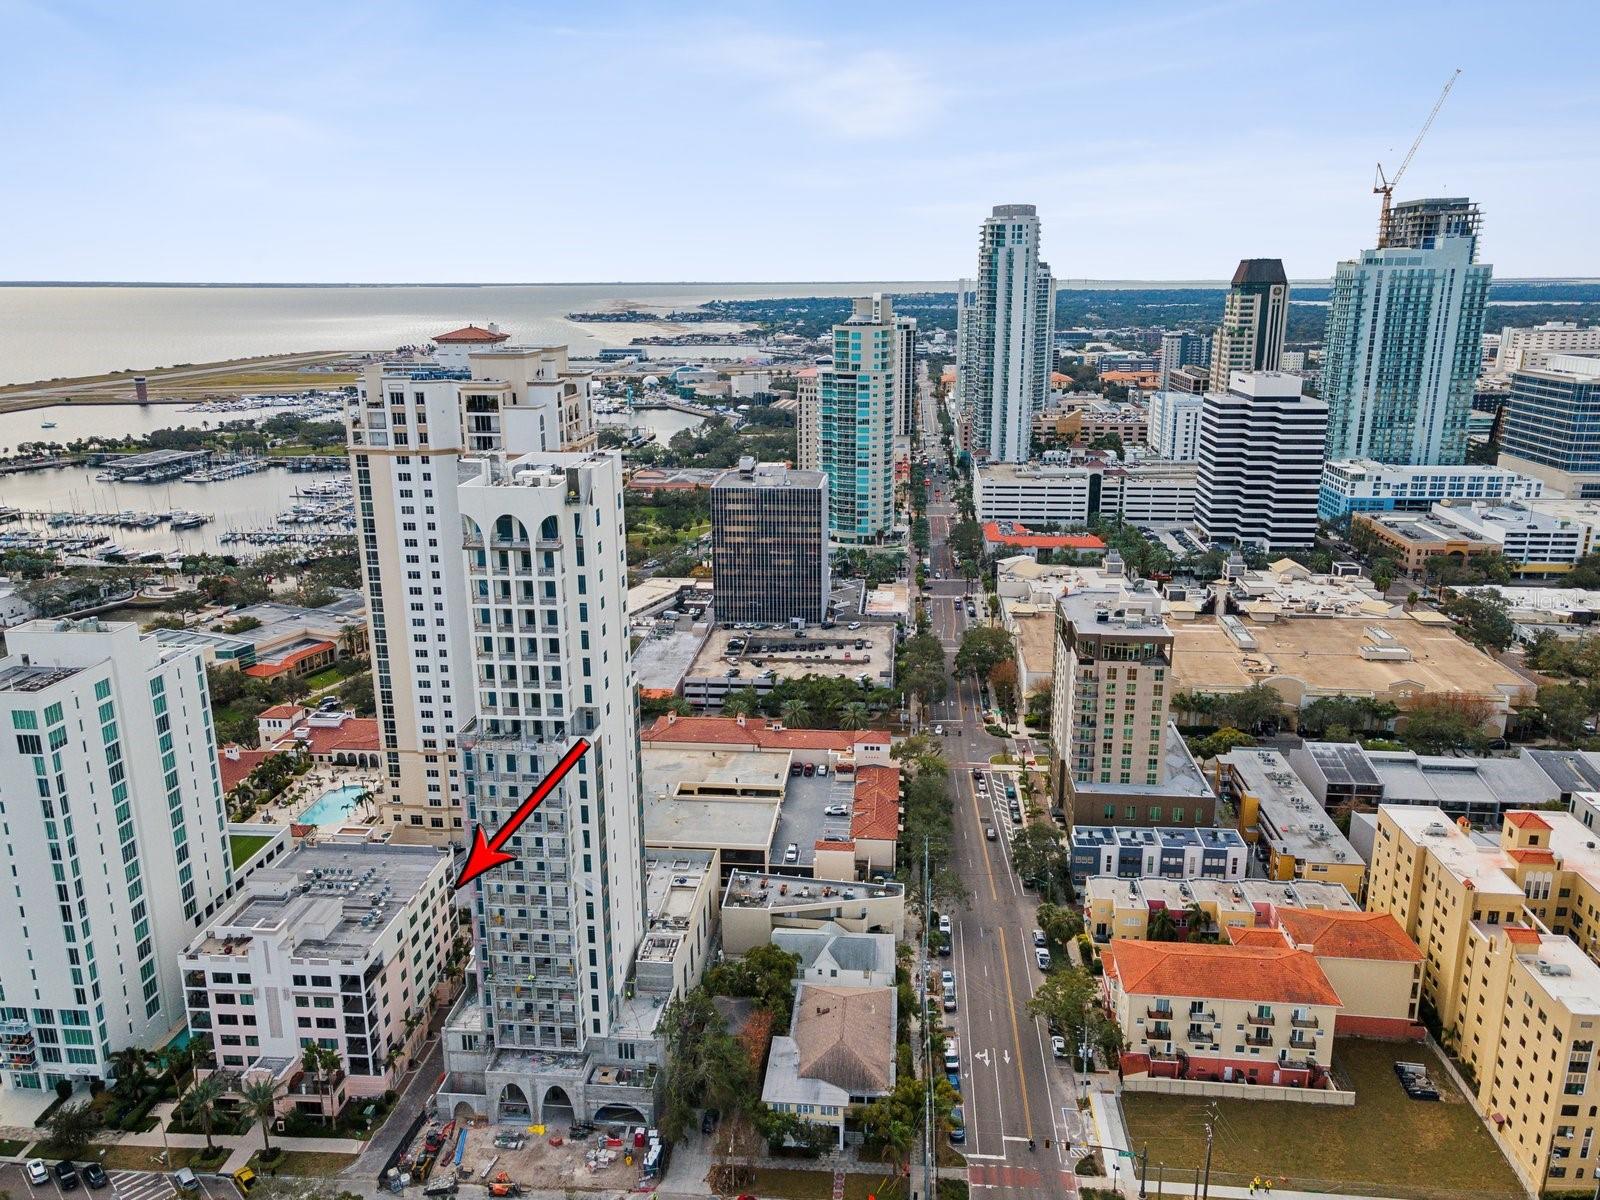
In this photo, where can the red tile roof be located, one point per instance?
(1523, 935)
(351, 734)
(1532, 854)
(1255, 935)
(281, 712)
(727, 731)
(824, 844)
(1338, 934)
(1267, 975)
(288, 662)
(1019, 536)
(876, 813)
(235, 771)
(469, 334)
(1523, 819)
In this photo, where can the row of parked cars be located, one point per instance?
(68, 1175)
(1414, 1078)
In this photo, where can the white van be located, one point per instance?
(952, 1055)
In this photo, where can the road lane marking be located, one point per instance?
(1016, 1035)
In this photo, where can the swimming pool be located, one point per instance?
(332, 807)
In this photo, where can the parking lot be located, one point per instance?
(123, 1185)
(802, 819)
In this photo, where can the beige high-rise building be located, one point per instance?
(808, 420)
(409, 429)
(1255, 321)
(1507, 934)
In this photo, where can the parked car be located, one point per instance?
(853, 626)
(938, 731)
(792, 854)
(38, 1173)
(95, 1176)
(184, 1180)
(836, 810)
(1058, 1047)
(1039, 940)
(795, 768)
(1042, 957)
(66, 1175)
(822, 770)
(944, 923)
(958, 1125)
(810, 769)
(990, 834)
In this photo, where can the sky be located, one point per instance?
(491, 141)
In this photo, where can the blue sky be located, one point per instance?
(495, 141)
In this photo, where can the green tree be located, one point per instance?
(1003, 686)
(1039, 707)
(1565, 708)
(795, 713)
(742, 703)
(765, 974)
(1059, 922)
(1483, 618)
(1161, 927)
(261, 1102)
(198, 1104)
(853, 716)
(921, 753)
(71, 1126)
(1038, 854)
(966, 543)
(1436, 723)
(983, 648)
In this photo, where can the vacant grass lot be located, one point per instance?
(302, 1162)
(1387, 1144)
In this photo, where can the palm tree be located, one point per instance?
(853, 715)
(795, 713)
(1162, 927)
(1197, 921)
(132, 1068)
(197, 1102)
(261, 1101)
(740, 704)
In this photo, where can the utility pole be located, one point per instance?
(1211, 1133)
(930, 1175)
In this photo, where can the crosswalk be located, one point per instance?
(141, 1185)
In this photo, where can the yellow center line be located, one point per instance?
(1016, 1035)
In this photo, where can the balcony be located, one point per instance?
(1302, 1041)
(1261, 1037)
(1200, 1036)
(1264, 1020)
(1157, 1012)
(1305, 1021)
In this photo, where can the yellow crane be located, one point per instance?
(1384, 186)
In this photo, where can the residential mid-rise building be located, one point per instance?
(1005, 321)
(1122, 906)
(1235, 1014)
(856, 404)
(1363, 485)
(1509, 941)
(339, 944)
(769, 544)
(1255, 322)
(1119, 759)
(1173, 852)
(1551, 427)
(115, 848)
(1182, 348)
(1404, 327)
(1524, 348)
(409, 428)
(556, 1023)
(808, 420)
(1260, 462)
(1293, 835)
(1175, 425)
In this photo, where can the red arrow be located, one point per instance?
(486, 854)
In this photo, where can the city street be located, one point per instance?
(1012, 1088)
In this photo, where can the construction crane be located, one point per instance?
(1383, 186)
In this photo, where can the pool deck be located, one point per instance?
(306, 791)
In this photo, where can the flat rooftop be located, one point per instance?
(1325, 655)
(1343, 764)
(773, 654)
(1035, 633)
(1181, 775)
(333, 900)
(1226, 894)
(1215, 836)
(672, 880)
(663, 657)
(1458, 852)
(18, 678)
(1291, 819)
(750, 889)
(1565, 973)
(1462, 782)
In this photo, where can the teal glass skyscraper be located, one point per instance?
(1405, 326)
(856, 408)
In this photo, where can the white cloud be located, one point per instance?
(835, 92)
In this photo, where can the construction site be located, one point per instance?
(513, 1160)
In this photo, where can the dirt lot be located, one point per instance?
(540, 1165)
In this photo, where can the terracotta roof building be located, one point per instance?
(472, 335)
(1236, 1014)
(864, 745)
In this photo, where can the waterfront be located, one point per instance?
(250, 502)
(131, 420)
(57, 332)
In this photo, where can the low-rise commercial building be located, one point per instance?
(1004, 538)
(755, 905)
(733, 660)
(336, 945)
(1245, 1014)
(1169, 853)
(1144, 492)
(1534, 542)
(1293, 835)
